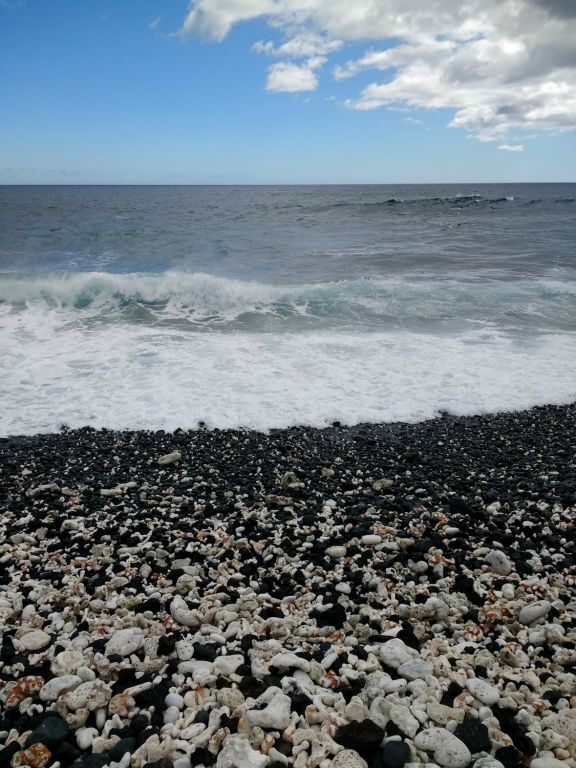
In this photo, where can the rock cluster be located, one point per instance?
(370, 597)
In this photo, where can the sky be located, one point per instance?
(287, 91)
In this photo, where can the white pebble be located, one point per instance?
(85, 737)
(499, 562)
(33, 641)
(224, 666)
(184, 650)
(534, 611)
(415, 669)
(237, 753)
(276, 715)
(125, 642)
(169, 458)
(58, 685)
(336, 552)
(349, 758)
(483, 691)
(447, 749)
(171, 715)
(488, 762)
(548, 762)
(395, 652)
(174, 700)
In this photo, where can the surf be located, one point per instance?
(200, 301)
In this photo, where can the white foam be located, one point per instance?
(121, 376)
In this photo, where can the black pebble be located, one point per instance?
(164, 762)
(394, 754)
(92, 761)
(117, 752)
(66, 754)
(509, 757)
(201, 756)
(139, 723)
(8, 753)
(364, 737)
(50, 732)
(474, 734)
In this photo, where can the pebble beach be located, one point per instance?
(379, 595)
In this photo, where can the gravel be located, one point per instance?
(380, 595)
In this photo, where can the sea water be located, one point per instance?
(263, 307)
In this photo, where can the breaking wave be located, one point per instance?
(201, 301)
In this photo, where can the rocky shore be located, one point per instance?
(382, 595)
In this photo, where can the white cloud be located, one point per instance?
(512, 147)
(301, 46)
(286, 77)
(499, 65)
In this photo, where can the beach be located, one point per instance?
(376, 595)
(288, 384)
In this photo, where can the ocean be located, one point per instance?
(269, 307)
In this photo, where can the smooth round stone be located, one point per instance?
(33, 641)
(534, 611)
(447, 749)
(174, 700)
(336, 552)
(416, 669)
(371, 540)
(498, 561)
(483, 691)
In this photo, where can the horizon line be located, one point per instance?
(275, 184)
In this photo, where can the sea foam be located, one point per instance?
(173, 349)
(139, 377)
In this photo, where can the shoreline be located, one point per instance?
(202, 427)
(375, 595)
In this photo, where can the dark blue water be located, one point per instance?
(291, 234)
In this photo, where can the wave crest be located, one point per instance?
(223, 303)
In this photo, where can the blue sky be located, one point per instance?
(109, 91)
